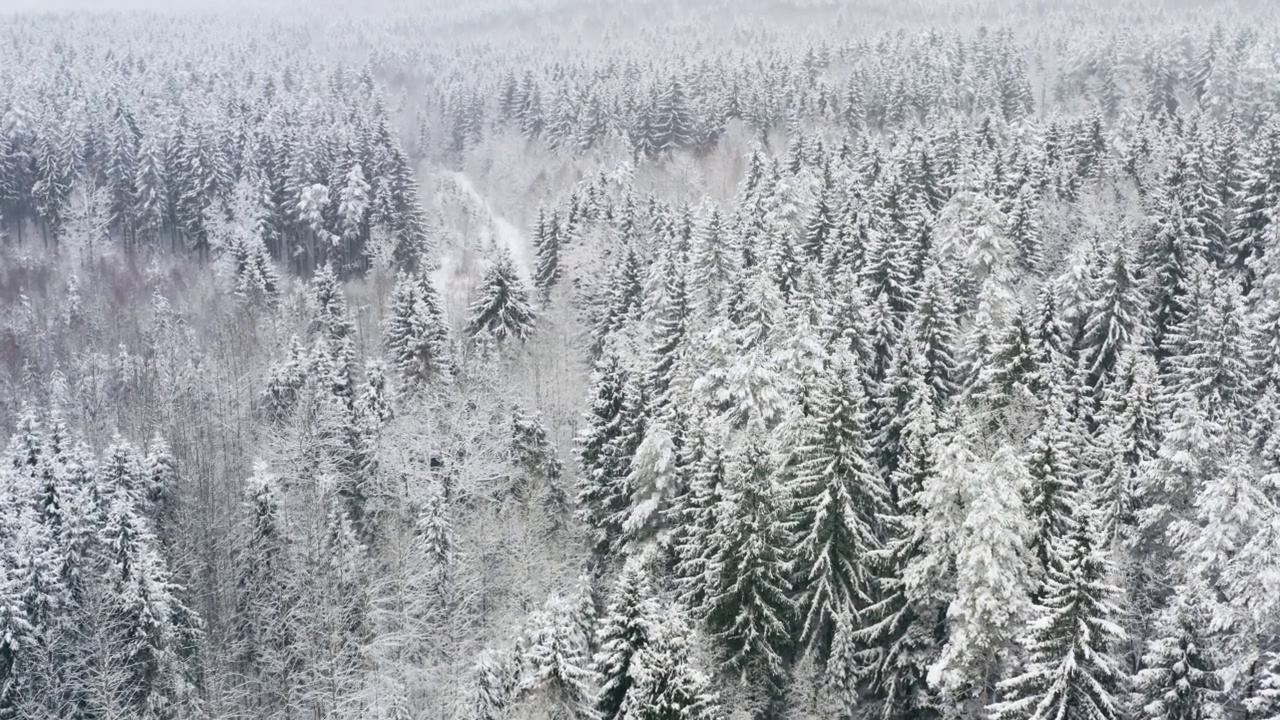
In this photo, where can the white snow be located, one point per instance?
(500, 230)
(456, 274)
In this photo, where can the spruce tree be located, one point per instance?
(264, 655)
(667, 685)
(1072, 671)
(1179, 680)
(993, 571)
(749, 607)
(839, 498)
(502, 307)
(547, 242)
(558, 679)
(414, 335)
(899, 634)
(1115, 317)
(626, 628)
(1054, 489)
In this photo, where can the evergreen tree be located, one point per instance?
(264, 656)
(548, 240)
(558, 679)
(502, 308)
(415, 336)
(1051, 461)
(667, 686)
(157, 627)
(899, 635)
(1115, 316)
(1072, 671)
(839, 498)
(626, 628)
(749, 606)
(606, 447)
(1178, 679)
(993, 569)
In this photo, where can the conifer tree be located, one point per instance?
(1072, 670)
(749, 606)
(839, 498)
(264, 656)
(547, 241)
(1178, 680)
(494, 685)
(605, 453)
(667, 685)
(502, 307)
(1054, 490)
(993, 574)
(626, 628)
(414, 335)
(1115, 317)
(558, 679)
(899, 634)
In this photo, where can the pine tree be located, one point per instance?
(1071, 671)
(434, 527)
(931, 328)
(354, 200)
(1208, 346)
(502, 308)
(1127, 438)
(839, 498)
(19, 636)
(1258, 197)
(749, 606)
(668, 312)
(1178, 680)
(626, 628)
(623, 298)
(1024, 228)
(415, 336)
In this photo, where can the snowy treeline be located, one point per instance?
(859, 367)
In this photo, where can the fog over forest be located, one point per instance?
(639, 360)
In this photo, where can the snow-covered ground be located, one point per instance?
(500, 230)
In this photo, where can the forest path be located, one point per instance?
(459, 272)
(501, 231)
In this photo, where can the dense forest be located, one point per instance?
(644, 360)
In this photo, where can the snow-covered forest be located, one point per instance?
(641, 360)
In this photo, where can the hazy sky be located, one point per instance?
(65, 5)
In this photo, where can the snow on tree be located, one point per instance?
(1179, 679)
(502, 307)
(749, 607)
(667, 684)
(414, 335)
(993, 573)
(839, 497)
(626, 628)
(558, 681)
(1072, 670)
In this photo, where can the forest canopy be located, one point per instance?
(650, 360)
